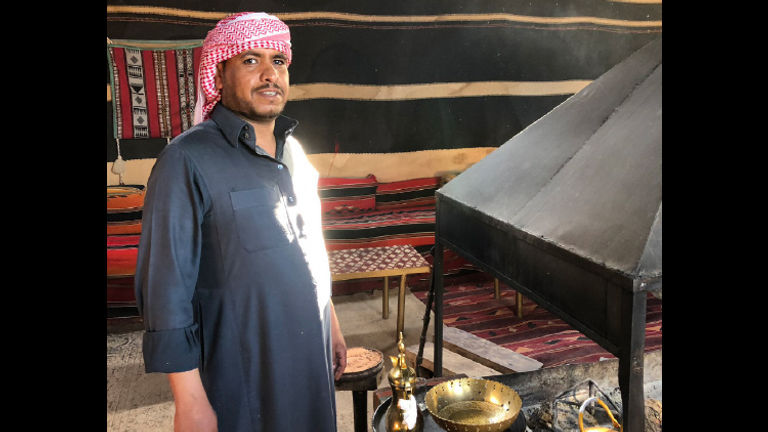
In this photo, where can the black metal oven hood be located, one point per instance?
(569, 212)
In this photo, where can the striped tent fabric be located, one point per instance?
(387, 77)
(153, 88)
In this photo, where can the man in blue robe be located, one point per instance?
(232, 277)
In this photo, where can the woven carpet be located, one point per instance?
(539, 334)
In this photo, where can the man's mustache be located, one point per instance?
(269, 86)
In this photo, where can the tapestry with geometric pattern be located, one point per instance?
(153, 87)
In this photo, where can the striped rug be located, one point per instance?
(539, 334)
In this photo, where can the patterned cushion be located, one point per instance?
(343, 195)
(125, 204)
(407, 193)
(122, 251)
(124, 209)
(120, 292)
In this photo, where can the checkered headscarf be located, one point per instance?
(231, 36)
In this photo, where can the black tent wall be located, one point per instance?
(396, 45)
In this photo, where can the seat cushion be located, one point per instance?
(407, 193)
(340, 195)
(405, 225)
(125, 204)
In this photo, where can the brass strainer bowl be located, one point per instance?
(473, 405)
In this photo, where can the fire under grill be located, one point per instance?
(561, 414)
(553, 396)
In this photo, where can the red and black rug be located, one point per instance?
(539, 334)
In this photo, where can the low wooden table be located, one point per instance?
(384, 261)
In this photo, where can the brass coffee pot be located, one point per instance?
(403, 413)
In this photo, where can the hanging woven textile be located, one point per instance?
(153, 87)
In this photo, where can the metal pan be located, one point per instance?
(473, 405)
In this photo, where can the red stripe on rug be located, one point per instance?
(196, 55)
(123, 240)
(120, 291)
(173, 92)
(121, 262)
(150, 93)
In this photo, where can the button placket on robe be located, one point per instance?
(285, 185)
(283, 177)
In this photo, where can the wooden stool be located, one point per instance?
(361, 375)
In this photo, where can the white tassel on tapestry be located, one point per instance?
(118, 166)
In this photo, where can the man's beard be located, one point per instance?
(258, 117)
(251, 113)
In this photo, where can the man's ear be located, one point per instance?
(217, 76)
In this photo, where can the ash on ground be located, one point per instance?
(563, 416)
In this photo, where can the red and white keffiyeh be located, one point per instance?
(231, 36)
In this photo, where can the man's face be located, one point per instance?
(254, 83)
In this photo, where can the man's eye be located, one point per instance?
(280, 62)
(250, 60)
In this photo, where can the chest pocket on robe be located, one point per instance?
(261, 219)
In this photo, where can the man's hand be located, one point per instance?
(193, 410)
(339, 346)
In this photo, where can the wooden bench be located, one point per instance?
(486, 352)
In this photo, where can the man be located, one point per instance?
(232, 277)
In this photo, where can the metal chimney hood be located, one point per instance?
(569, 212)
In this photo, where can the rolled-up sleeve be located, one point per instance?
(168, 262)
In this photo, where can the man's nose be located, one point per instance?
(268, 73)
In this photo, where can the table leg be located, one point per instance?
(385, 299)
(401, 306)
(360, 410)
(519, 304)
